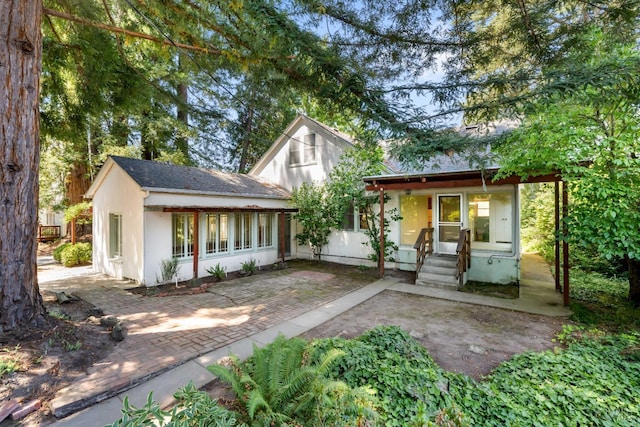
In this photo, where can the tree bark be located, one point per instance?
(21, 304)
(182, 143)
(633, 266)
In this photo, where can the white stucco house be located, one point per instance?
(146, 212)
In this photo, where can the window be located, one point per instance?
(302, 151)
(115, 235)
(491, 220)
(182, 228)
(265, 230)
(349, 221)
(416, 215)
(217, 238)
(242, 228)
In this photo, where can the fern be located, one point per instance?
(278, 385)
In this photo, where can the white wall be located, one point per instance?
(119, 194)
(329, 148)
(158, 247)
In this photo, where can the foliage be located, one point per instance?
(317, 214)
(168, 270)
(10, 361)
(600, 300)
(78, 213)
(77, 254)
(194, 408)
(279, 385)
(249, 267)
(346, 186)
(218, 271)
(57, 252)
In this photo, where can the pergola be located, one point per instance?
(475, 178)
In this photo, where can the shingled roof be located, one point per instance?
(168, 178)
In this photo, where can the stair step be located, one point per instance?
(441, 270)
(434, 283)
(441, 261)
(437, 278)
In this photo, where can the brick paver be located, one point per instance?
(163, 332)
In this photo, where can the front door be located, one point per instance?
(449, 222)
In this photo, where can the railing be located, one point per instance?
(423, 246)
(48, 233)
(464, 254)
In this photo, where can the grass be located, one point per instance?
(510, 291)
(600, 301)
(9, 361)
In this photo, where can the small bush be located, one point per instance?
(218, 271)
(57, 252)
(77, 254)
(249, 267)
(168, 269)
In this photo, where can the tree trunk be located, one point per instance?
(633, 266)
(182, 143)
(248, 127)
(78, 182)
(21, 305)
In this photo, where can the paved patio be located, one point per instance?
(171, 340)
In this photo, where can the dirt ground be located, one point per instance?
(463, 338)
(50, 360)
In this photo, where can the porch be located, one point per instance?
(537, 291)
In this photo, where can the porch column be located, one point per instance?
(565, 243)
(196, 232)
(381, 255)
(557, 233)
(281, 236)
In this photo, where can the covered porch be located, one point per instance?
(443, 249)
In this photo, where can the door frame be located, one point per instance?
(448, 247)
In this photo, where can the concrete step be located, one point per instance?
(441, 261)
(437, 281)
(441, 270)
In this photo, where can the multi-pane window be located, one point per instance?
(217, 238)
(354, 219)
(243, 232)
(265, 230)
(182, 230)
(491, 220)
(302, 151)
(115, 235)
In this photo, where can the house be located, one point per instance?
(145, 212)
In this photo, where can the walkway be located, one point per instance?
(173, 339)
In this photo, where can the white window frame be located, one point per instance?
(265, 229)
(216, 240)
(187, 225)
(243, 237)
(302, 151)
(115, 235)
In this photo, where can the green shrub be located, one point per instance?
(218, 271)
(77, 254)
(249, 267)
(279, 385)
(194, 409)
(168, 270)
(57, 252)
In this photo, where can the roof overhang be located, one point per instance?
(205, 209)
(450, 180)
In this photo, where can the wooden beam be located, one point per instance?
(557, 234)
(189, 209)
(452, 181)
(196, 241)
(381, 255)
(281, 236)
(565, 243)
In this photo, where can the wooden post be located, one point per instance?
(381, 255)
(565, 243)
(281, 235)
(196, 232)
(557, 233)
(73, 231)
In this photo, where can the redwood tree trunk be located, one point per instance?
(633, 266)
(20, 64)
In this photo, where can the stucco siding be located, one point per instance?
(118, 194)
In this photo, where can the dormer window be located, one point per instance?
(302, 151)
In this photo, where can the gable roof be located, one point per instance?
(287, 134)
(167, 178)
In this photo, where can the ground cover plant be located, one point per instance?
(590, 379)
